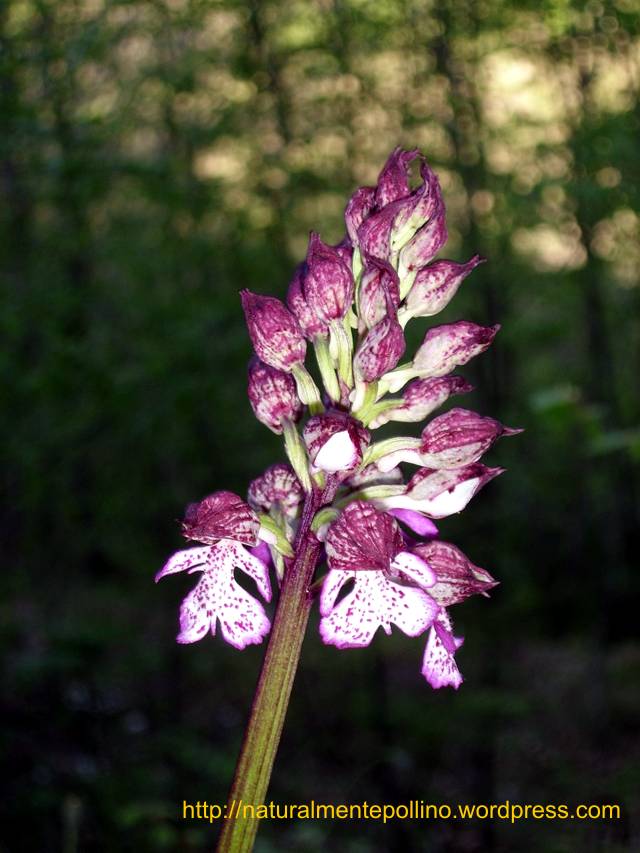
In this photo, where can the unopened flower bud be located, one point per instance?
(374, 235)
(272, 395)
(420, 398)
(379, 283)
(345, 250)
(222, 515)
(381, 350)
(446, 347)
(311, 324)
(336, 442)
(328, 282)
(435, 285)
(424, 246)
(439, 494)
(418, 210)
(277, 487)
(459, 438)
(393, 181)
(274, 331)
(359, 207)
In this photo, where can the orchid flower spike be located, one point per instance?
(346, 498)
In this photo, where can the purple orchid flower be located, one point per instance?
(225, 523)
(366, 546)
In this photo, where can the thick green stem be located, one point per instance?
(271, 699)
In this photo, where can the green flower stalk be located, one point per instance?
(342, 499)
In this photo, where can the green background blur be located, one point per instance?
(155, 157)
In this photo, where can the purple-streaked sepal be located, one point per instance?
(375, 602)
(418, 211)
(218, 597)
(273, 395)
(459, 438)
(222, 515)
(438, 664)
(439, 494)
(274, 331)
(363, 539)
(279, 488)
(446, 347)
(422, 397)
(374, 235)
(457, 577)
(358, 209)
(379, 286)
(335, 442)
(381, 349)
(311, 324)
(393, 181)
(425, 245)
(345, 251)
(436, 285)
(328, 282)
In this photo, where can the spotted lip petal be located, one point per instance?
(374, 602)
(190, 560)
(274, 331)
(217, 597)
(438, 664)
(363, 539)
(328, 282)
(277, 487)
(222, 515)
(450, 345)
(458, 438)
(457, 577)
(272, 395)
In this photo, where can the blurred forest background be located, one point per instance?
(155, 157)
